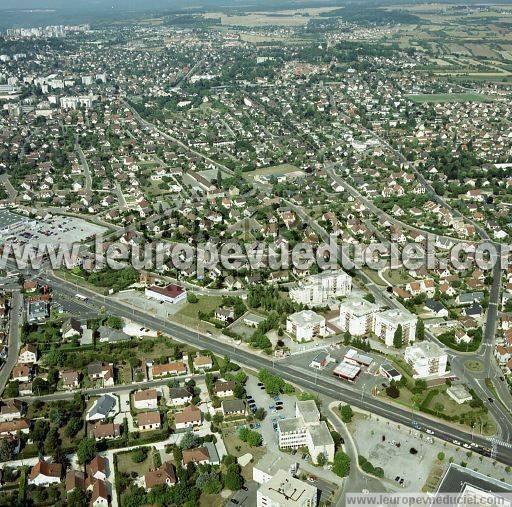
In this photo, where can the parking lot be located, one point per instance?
(74, 307)
(281, 407)
(51, 230)
(388, 445)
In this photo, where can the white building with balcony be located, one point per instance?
(316, 290)
(306, 325)
(427, 359)
(386, 323)
(357, 315)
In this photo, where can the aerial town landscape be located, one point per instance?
(255, 254)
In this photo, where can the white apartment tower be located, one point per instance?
(386, 323)
(357, 316)
(316, 290)
(427, 359)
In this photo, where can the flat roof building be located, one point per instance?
(283, 490)
(347, 371)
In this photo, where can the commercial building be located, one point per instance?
(170, 294)
(352, 356)
(316, 290)
(386, 323)
(305, 325)
(283, 490)
(306, 429)
(427, 359)
(347, 371)
(356, 316)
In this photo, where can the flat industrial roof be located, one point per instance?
(457, 478)
(346, 370)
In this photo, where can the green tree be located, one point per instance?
(321, 459)
(398, 338)
(209, 483)
(341, 464)
(86, 450)
(346, 413)
(192, 298)
(77, 498)
(260, 414)
(233, 480)
(115, 322)
(420, 330)
(189, 440)
(12, 389)
(253, 438)
(52, 441)
(139, 455)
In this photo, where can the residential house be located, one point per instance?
(165, 475)
(233, 407)
(145, 399)
(147, 421)
(179, 396)
(203, 363)
(223, 389)
(190, 416)
(44, 473)
(106, 430)
(28, 354)
(70, 379)
(163, 370)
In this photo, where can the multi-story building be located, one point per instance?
(386, 323)
(316, 290)
(306, 429)
(427, 359)
(357, 315)
(284, 490)
(305, 325)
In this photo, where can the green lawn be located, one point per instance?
(274, 169)
(438, 98)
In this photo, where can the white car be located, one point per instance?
(430, 432)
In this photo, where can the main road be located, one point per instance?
(15, 321)
(327, 387)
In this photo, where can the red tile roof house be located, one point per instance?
(162, 370)
(148, 421)
(145, 399)
(171, 293)
(44, 473)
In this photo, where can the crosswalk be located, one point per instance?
(497, 441)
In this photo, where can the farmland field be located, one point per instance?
(438, 98)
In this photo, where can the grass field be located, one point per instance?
(439, 98)
(273, 169)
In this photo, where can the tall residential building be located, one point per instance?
(357, 316)
(284, 490)
(386, 323)
(427, 359)
(306, 429)
(316, 290)
(305, 325)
